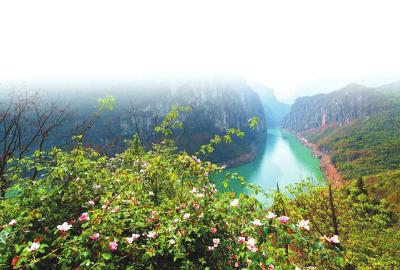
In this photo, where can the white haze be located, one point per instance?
(295, 47)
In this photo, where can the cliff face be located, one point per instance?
(337, 108)
(217, 105)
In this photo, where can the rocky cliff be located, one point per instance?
(337, 108)
(217, 105)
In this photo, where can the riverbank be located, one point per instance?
(244, 158)
(282, 160)
(330, 171)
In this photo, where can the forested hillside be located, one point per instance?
(360, 128)
(159, 208)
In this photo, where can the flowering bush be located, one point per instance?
(155, 209)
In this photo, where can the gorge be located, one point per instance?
(170, 198)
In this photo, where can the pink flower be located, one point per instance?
(303, 224)
(35, 246)
(251, 245)
(152, 235)
(271, 215)
(211, 248)
(84, 217)
(242, 239)
(95, 236)
(234, 203)
(186, 216)
(213, 230)
(236, 264)
(284, 220)
(257, 222)
(271, 267)
(134, 237)
(196, 206)
(216, 242)
(113, 246)
(13, 222)
(64, 227)
(91, 202)
(175, 221)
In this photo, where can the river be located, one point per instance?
(283, 160)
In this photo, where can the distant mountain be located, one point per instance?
(360, 128)
(274, 110)
(217, 105)
(339, 107)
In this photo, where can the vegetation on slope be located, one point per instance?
(145, 210)
(369, 148)
(360, 129)
(157, 208)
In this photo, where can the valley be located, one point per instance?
(282, 161)
(147, 152)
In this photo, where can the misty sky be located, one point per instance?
(295, 47)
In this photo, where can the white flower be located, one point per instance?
(176, 220)
(64, 227)
(257, 222)
(251, 245)
(35, 246)
(303, 224)
(172, 241)
(13, 222)
(335, 239)
(151, 193)
(115, 209)
(194, 190)
(91, 202)
(96, 186)
(216, 242)
(271, 215)
(200, 195)
(135, 236)
(152, 235)
(234, 202)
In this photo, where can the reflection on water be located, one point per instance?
(283, 160)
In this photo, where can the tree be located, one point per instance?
(26, 122)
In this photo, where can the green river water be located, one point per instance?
(283, 160)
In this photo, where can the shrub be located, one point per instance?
(144, 209)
